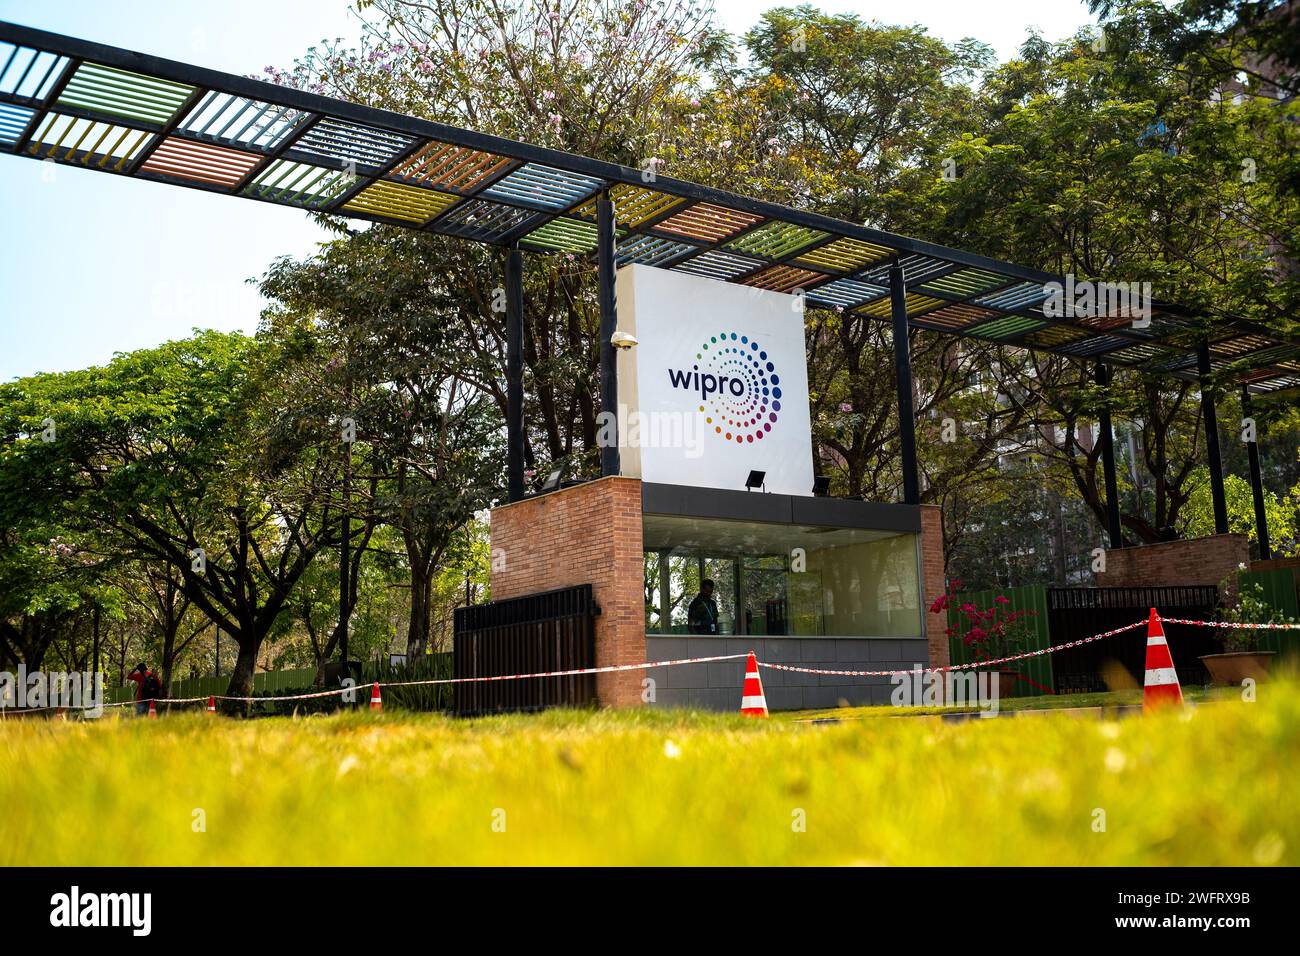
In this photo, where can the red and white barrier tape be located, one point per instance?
(955, 667)
(1232, 626)
(608, 669)
(615, 668)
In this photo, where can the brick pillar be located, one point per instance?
(933, 580)
(587, 534)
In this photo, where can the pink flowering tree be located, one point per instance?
(990, 632)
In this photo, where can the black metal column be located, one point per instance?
(1107, 437)
(514, 375)
(903, 377)
(609, 457)
(345, 542)
(1256, 480)
(1215, 460)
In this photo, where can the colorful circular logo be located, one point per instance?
(747, 399)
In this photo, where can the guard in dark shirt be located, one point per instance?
(702, 617)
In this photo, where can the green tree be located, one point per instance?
(182, 455)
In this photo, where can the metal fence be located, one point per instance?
(1281, 590)
(264, 682)
(551, 631)
(1079, 612)
(1036, 673)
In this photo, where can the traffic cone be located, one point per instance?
(376, 702)
(212, 705)
(752, 701)
(1161, 685)
(153, 711)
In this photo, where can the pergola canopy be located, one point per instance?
(113, 110)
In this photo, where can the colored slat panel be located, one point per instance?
(563, 235)
(1137, 354)
(395, 201)
(965, 283)
(105, 89)
(916, 268)
(88, 142)
(1261, 357)
(352, 146)
(200, 162)
(1022, 295)
(1104, 323)
(542, 187)
(484, 221)
(237, 121)
(707, 222)
(776, 240)
(634, 206)
(452, 168)
(719, 265)
(845, 255)
(1177, 363)
(1054, 336)
(13, 120)
(300, 184)
(1096, 345)
(1007, 327)
(916, 305)
(1240, 344)
(845, 293)
(1277, 384)
(26, 73)
(651, 251)
(783, 278)
(957, 316)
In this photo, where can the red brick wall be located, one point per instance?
(1191, 561)
(933, 576)
(587, 534)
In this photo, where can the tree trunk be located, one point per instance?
(417, 634)
(241, 678)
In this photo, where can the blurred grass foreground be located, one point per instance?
(1214, 784)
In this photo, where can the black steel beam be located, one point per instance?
(1213, 456)
(1107, 438)
(1256, 479)
(514, 375)
(728, 505)
(903, 377)
(606, 236)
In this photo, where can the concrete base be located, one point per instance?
(592, 534)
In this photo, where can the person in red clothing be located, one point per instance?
(147, 687)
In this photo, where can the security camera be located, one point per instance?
(622, 340)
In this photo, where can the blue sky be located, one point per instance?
(93, 264)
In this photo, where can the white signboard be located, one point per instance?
(716, 386)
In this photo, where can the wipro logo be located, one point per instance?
(738, 386)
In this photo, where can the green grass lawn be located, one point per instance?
(1116, 699)
(1212, 785)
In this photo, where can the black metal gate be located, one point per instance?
(550, 631)
(1079, 612)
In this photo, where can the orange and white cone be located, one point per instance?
(376, 702)
(153, 710)
(752, 701)
(1161, 686)
(212, 705)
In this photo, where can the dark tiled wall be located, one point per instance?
(717, 686)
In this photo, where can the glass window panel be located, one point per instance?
(776, 579)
